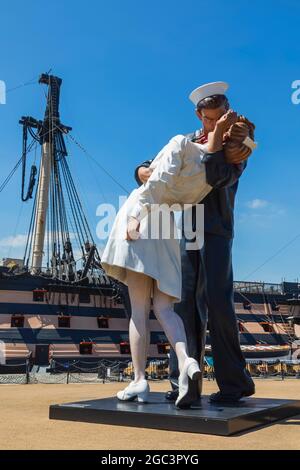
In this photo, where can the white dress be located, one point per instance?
(178, 177)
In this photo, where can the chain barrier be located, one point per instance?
(107, 371)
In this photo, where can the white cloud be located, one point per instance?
(13, 241)
(257, 203)
(20, 240)
(260, 213)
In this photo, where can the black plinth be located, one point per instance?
(203, 417)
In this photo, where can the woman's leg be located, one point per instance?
(175, 332)
(171, 323)
(148, 334)
(139, 288)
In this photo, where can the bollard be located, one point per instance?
(27, 372)
(281, 370)
(68, 373)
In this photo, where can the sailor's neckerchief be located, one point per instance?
(198, 136)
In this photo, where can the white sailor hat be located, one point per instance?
(209, 89)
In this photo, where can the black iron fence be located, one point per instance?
(105, 371)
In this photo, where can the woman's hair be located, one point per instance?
(213, 102)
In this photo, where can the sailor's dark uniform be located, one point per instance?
(207, 283)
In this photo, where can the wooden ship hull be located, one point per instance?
(59, 323)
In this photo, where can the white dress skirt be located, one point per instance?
(178, 177)
(158, 257)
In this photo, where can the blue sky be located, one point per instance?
(127, 69)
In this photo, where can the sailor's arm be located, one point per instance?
(219, 172)
(143, 172)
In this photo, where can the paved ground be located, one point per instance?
(24, 422)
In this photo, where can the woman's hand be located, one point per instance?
(216, 137)
(226, 121)
(133, 226)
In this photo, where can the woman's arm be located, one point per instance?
(215, 138)
(168, 166)
(219, 172)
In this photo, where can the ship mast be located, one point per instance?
(58, 218)
(50, 128)
(41, 209)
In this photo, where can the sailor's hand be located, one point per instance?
(226, 121)
(133, 226)
(144, 174)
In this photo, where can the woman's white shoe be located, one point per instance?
(190, 371)
(139, 390)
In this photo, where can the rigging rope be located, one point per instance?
(97, 163)
(273, 256)
(33, 172)
(10, 175)
(33, 81)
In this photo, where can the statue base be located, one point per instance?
(158, 413)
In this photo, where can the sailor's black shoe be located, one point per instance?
(172, 395)
(220, 397)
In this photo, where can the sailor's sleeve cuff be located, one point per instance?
(218, 156)
(145, 164)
